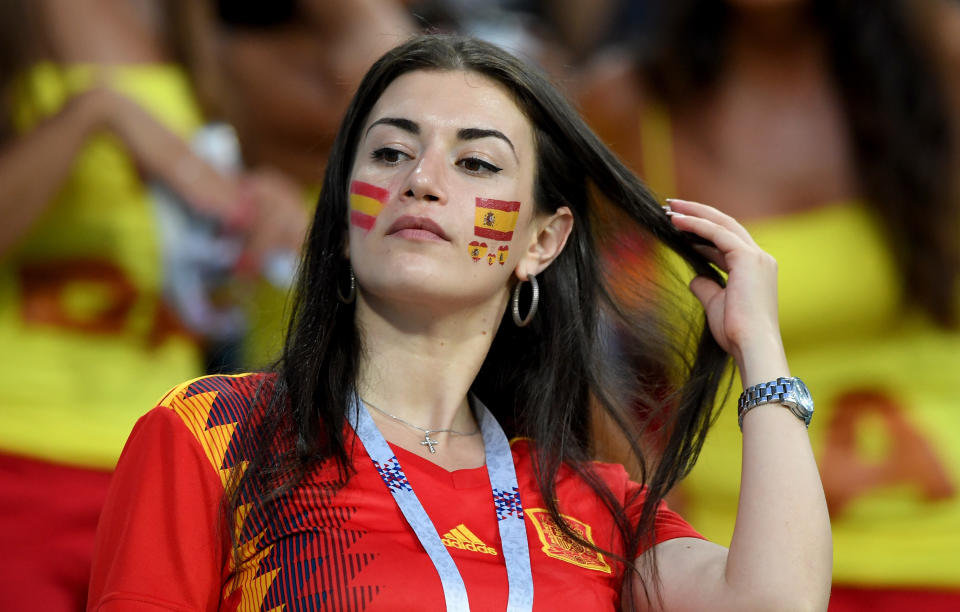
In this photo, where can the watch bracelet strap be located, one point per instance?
(770, 392)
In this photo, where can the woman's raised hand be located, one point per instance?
(743, 315)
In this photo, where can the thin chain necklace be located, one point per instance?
(427, 440)
(507, 506)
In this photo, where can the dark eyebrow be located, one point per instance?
(463, 134)
(475, 133)
(404, 124)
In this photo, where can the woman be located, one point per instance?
(834, 125)
(458, 178)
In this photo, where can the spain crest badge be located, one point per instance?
(559, 545)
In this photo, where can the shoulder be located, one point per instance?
(214, 409)
(220, 399)
(200, 424)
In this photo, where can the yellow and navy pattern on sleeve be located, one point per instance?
(295, 549)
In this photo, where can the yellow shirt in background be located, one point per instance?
(88, 345)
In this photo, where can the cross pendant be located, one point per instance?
(428, 441)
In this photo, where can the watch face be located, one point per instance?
(804, 400)
(803, 407)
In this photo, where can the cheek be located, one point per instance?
(366, 202)
(493, 224)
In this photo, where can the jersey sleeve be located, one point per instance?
(159, 542)
(667, 523)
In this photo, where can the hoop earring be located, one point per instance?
(534, 302)
(348, 299)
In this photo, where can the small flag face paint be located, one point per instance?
(502, 253)
(495, 219)
(491, 257)
(366, 202)
(477, 250)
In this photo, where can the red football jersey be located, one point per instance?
(161, 540)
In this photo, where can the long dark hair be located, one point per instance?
(897, 113)
(540, 381)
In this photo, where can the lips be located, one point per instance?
(410, 222)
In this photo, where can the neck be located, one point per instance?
(774, 41)
(419, 366)
(776, 58)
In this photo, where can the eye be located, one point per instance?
(389, 156)
(475, 165)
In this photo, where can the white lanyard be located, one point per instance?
(506, 498)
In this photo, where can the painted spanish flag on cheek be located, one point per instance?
(495, 219)
(366, 202)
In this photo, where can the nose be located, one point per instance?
(426, 181)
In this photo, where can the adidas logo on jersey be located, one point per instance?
(464, 539)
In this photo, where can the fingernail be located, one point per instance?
(666, 209)
(672, 213)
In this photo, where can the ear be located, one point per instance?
(549, 238)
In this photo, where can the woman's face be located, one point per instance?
(441, 194)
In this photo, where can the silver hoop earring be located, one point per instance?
(347, 299)
(534, 302)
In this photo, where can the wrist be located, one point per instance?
(790, 392)
(98, 110)
(764, 361)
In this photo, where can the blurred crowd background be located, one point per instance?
(159, 160)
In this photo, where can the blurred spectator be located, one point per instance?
(831, 129)
(581, 28)
(281, 74)
(92, 113)
(554, 34)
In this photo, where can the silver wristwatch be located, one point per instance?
(791, 392)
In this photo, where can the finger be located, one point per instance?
(724, 239)
(704, 211)
(697, 240)
(704, 289)
(713, 255)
